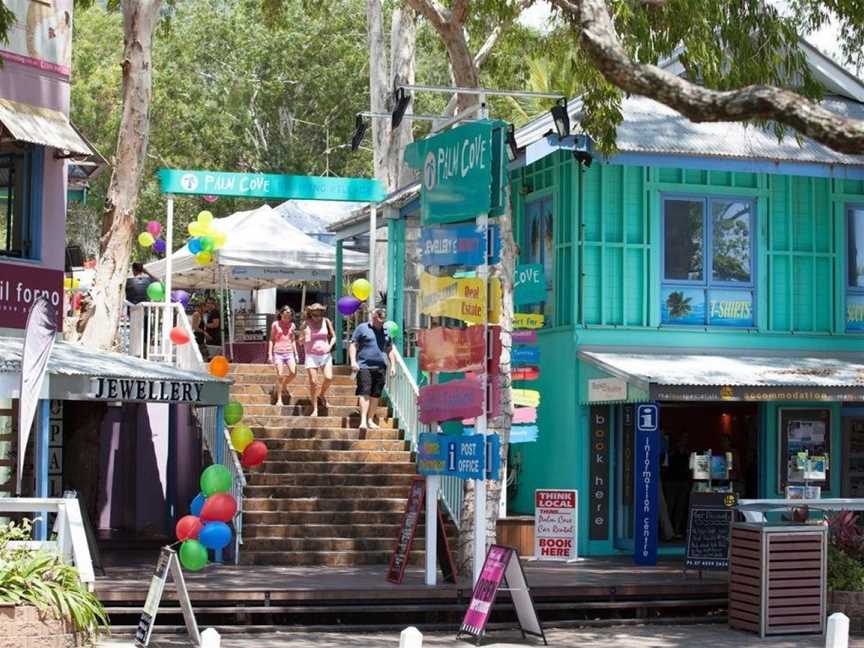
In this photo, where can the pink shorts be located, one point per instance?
(283, 357)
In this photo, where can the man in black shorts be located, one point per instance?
(370, 350)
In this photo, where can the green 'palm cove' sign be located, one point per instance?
(459, 170)
(269, 186)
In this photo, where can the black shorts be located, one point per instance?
(370, 382)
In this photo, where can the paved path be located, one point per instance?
(711, 636)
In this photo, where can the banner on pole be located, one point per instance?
(646, 480)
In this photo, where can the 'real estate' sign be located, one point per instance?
(20, 285)
(269, 186)
(462, 298)
(555, 524)
(147, 391)
(457, 173)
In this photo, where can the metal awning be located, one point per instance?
(78, 373)
(41, 126)
(733, 376)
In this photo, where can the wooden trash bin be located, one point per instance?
(777, 578)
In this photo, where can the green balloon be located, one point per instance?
(193, 555)
(233, 413)
(392, 329)
(215, 479)
(156, 292)
(207, 244)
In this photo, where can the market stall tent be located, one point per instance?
(262, 250)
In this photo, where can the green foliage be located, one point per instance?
(38, 578)
(845, 573)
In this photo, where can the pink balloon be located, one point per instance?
(154, 227)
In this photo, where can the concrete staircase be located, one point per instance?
(327, 494)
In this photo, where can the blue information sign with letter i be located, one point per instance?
(646, 483)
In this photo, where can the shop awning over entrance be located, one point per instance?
(41, 126)
(78, 373)
(732, 376)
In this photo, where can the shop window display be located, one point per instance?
(805, 444)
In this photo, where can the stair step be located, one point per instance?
(244, 369)
(240, 388)
(260, 491)
(271, 531)
(294, 398)
(365, 456)
(378, 445)
(255, 478)
(300, 519)
(342, 386)
(304, 409)
(324, 558)
(259, 420)
(383, 544)
(328, 504)
(337, 468)
(277, 432)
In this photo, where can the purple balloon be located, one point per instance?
(181, 297)
(159, 246)
(347, 305)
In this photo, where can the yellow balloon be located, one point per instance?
(203, 258)
(361, 289)
(67, 283)
(205, 217)
(241, 436)
(145, 239)
(194, 228)
(219, 239)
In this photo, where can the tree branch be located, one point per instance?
(433, 11)
(460, 11)
(756, 102)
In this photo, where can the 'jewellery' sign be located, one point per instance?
(149, 391)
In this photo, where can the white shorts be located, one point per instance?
(314, 361)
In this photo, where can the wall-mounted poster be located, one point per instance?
(805, 446)
(730, 308)
(42, 34)
(855, 312)
(681, 305)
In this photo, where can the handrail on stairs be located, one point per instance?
(403, 394)
(146, 339)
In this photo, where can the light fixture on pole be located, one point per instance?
(512, 147)
(359, 132)
(402, 100)
(561, 118)
(583, 157)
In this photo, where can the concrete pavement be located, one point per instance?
(653, 636)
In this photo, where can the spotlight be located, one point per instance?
(359, 132)
(402, 101)
(512, 149)
(561, 118)
(584, 158)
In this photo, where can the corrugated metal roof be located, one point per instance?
(41, 126)
(69, 359)
(731, 369)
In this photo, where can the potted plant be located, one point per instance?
(41, 597)
(846, 569)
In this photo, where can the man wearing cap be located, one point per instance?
(370, 352)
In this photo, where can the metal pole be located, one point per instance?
(338, 321)
(432, 486)
(373, 228)
(219, 451)
(167, 322)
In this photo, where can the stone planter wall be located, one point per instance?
(25, 627)
(849, 603)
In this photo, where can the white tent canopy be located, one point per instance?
(261, 250)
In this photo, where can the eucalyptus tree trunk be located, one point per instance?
(101, 322)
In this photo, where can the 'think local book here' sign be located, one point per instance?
(555, 524)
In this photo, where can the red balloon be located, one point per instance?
(254, 454)
(178, 335)
(188, 527)
(219, 507)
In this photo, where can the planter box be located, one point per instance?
(852, 605)
(24, 627)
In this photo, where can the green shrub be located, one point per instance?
(42, 579)
(845, 573)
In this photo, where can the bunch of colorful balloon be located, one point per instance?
(150, 238)
(205, 238)
(360, 290)
(252, 453)
(207, 525)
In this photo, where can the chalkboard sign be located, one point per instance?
(708, 525)
(168, 563)
(401, 553)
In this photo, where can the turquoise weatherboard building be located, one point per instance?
(707, 268)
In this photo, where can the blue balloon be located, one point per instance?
(197, 504)
(195, 245)
(215, 535)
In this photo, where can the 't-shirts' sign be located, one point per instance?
(147, 391)
(555, 524)
(20, 285)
